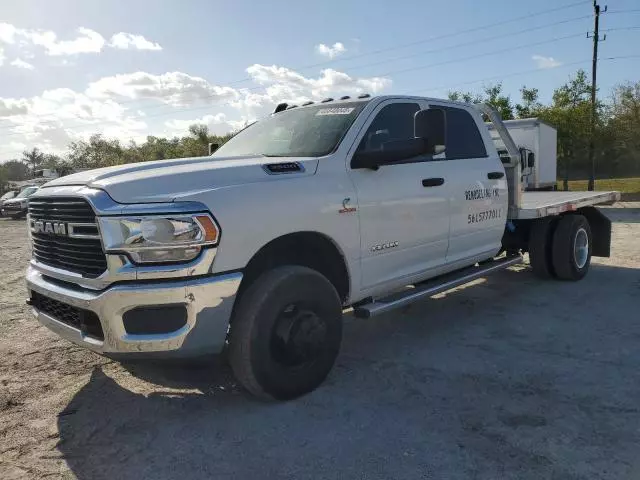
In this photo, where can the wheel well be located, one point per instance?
(308, 249)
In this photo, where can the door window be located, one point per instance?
(393, 122)
(463, 138)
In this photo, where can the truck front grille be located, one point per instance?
(84, 320)
(78, 255)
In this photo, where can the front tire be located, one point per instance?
(572, 248)
(286, 333)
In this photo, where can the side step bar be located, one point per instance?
(432, 287)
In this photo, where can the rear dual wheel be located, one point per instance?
(560, 247)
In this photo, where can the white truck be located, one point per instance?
(370, 203)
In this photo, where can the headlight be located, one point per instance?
(159, 239)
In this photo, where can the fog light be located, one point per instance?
(155, 319)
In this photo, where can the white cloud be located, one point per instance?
(2, 57)
(19, 63)
(127, 41)
(331, 51)
(11, 106)
(208, 120)
(7, 33)
(545, 62)
(287, 82)
(87, 41)
(174, 88)
(111, 105)
(56, 117)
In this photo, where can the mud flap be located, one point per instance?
(600, 231)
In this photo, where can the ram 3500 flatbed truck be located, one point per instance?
(370, 203)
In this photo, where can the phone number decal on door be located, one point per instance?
(484, 216)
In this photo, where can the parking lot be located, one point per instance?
(509, 377)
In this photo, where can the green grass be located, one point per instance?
(628, 187)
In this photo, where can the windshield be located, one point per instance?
(7, 195)
(27, 192)
(299, 132)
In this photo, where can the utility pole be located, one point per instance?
(594, 68)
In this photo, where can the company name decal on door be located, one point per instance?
(480, 193)
(484, 216)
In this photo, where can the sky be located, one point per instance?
(128, 69)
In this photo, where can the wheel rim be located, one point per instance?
(298, 336)
(581, 248)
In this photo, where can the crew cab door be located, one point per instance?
(403, 207)
(478, 186)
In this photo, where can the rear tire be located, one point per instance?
(572, 248)
(286, 333)
(540, 247)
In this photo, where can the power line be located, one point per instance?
(487, 54)
(453, 34)
(618, 29)
(631, 10)
(499, 77)
(418, 42)
(496, 77)
(394, 59)
(472, 42)
(392, 72)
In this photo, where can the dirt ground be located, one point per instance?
(511, 377)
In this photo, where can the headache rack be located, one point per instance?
(529, 205)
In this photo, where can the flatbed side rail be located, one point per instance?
(547, 204)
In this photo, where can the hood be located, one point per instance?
(12, 201)
(167, 180)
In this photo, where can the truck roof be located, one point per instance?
(365, 98)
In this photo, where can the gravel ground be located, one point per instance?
(509, 378)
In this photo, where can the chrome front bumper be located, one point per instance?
(208, 300)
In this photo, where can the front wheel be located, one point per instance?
(286, 333)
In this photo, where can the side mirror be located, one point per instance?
(431, 125)
(370, 160)
(213, 147)
(531, 159)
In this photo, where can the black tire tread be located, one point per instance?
(562, 248)
(247, 313)
(540, 247)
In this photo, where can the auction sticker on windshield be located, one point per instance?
(335, 111)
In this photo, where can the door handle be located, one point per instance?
(495, 175)
(432, 182)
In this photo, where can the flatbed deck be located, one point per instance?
(545, 204)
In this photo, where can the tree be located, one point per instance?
(33, 158)
(570, 112)
(15, 170)
(624, 127)
(49, 160)
(530, 104)
(491, 94)
(3, 179)
(97, 152)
